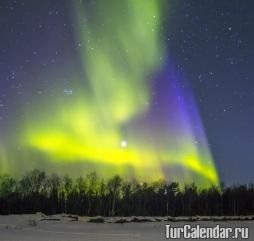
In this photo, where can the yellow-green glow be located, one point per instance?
(121, 48)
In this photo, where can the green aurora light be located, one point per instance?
(105, 124)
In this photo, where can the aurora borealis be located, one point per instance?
(123, 108)
(110, 120)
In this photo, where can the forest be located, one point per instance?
(92, 196)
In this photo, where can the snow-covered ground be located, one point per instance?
(38, 227)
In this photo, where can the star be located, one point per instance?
(68, 91)
(124, 143)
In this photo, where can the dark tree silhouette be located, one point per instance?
(90, 195)
(114, 189)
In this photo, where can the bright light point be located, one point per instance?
(124, 144)
(68, 92)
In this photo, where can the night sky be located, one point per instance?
(206, 45)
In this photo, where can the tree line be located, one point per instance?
(92, 196)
